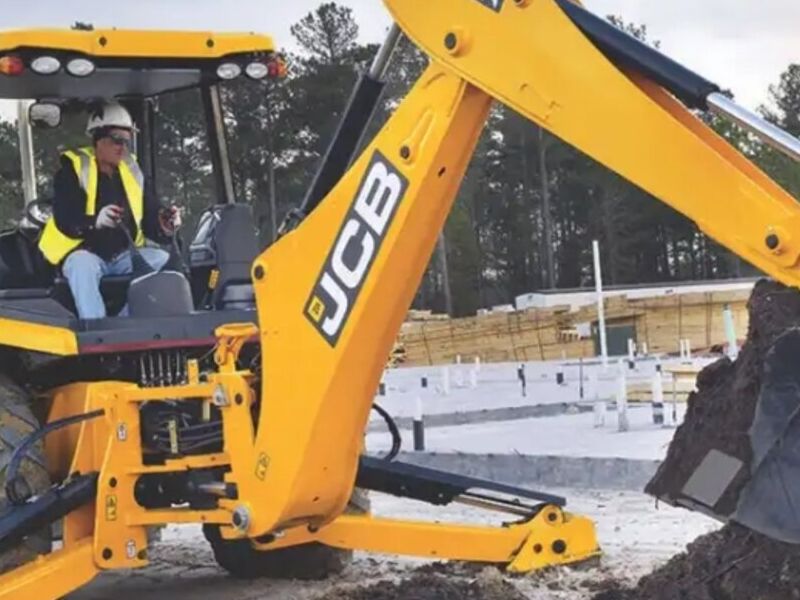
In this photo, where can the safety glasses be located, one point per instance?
(120, 140)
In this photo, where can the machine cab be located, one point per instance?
(55, 77)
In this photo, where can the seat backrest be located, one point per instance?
(21, 263)
(236, 243)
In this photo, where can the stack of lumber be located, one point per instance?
(674, 390)
(552, 333)
(516, 336)
(425, 315)
(663, 322)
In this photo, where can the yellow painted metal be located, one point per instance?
(551, 538)
(111, 533)
(530, 56)
(318, 397)
(124, 43)
(111, 445)
(76, 449)
(178, 515)
(119, 526)
(556, 538)
(231, 339)
(39, 338)
(52, 576)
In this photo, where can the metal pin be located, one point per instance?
(172, 428)
(160, 369)
(142, 371)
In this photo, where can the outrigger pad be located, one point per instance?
(737, 455)
(437, 487)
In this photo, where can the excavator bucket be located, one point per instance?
(737, 455)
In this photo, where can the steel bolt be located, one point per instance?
(450, 41)
(772, 241)
(241, 518)
(107, 554)
(405, 152)
(559, 547)
(258, 272)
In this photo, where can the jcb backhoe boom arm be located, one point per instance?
(333, 293)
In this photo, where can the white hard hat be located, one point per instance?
(109, 114)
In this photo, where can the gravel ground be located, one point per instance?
(636, 536)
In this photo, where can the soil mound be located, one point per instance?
(720, 413)
(733, 563)
(487, 585)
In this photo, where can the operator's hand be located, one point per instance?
(109, 217)
(171, 219)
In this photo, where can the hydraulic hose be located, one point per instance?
(397, 440)
(18, 491)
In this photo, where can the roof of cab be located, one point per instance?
(128, 62)
(122, 43)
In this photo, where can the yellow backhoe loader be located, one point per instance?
(241, 404)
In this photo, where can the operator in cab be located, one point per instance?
(100, 207)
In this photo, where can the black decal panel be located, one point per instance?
(357, 244)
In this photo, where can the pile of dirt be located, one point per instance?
(720, 413)
(733, 563)
(424, 584)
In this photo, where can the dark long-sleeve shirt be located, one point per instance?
(69, 212)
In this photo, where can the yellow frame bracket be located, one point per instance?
(231, 340)
(551, 538)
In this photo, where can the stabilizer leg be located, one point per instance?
(550, 538)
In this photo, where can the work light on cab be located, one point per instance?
(11, 65)
(80, 67)
(257, 70)
(229, 71)
(46, 65)
(277, 67)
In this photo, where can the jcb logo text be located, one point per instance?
(355, 248)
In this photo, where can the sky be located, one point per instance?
(741, 45)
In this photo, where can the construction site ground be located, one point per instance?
(636, 537)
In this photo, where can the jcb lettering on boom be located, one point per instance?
(357, 244)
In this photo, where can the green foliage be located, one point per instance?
(327, 34)
(10, 175)
(786, 99)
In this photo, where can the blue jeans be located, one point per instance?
(83, 270)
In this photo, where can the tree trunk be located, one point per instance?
(273, 217)
(442, 251)
(548, 221)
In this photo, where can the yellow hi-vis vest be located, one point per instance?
(54, 244)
